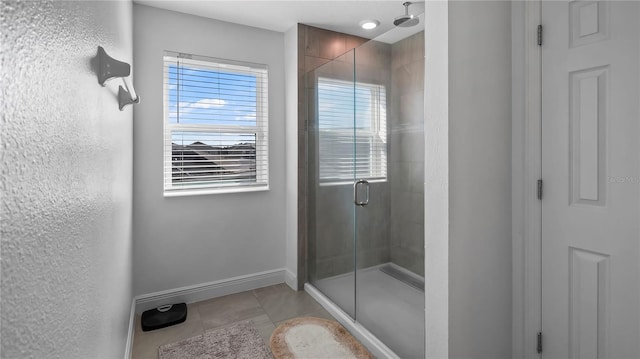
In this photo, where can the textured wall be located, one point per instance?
(181, 241)
(406, 148)
(65, 182)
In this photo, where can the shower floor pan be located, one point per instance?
(390, 306)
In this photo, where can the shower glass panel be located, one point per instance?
(331, 173)
(389, 229)
(365, 147)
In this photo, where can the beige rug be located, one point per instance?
(315, 338)
(239, 341)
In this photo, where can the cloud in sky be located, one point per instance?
(204, 103)
(250, 118)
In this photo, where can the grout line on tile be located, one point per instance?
(265, 312)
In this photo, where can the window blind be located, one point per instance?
(215, 125)
(352, 131)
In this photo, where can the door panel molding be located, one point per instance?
(587, 132)
(588, 22)
(588, 303)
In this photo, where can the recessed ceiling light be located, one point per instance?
(369, 24)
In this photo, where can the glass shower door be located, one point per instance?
(365, 176)
(365, 186)
(331, 176)
(389, 154)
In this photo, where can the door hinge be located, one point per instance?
(539, 35)
(540, 189)
(539, 346)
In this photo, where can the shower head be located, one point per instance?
(406, 20)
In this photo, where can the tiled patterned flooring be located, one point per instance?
(266, 307)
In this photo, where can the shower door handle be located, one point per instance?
(355, 192)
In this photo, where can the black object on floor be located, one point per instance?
(164, 316)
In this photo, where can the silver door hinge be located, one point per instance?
(540, 189)
(539, 346)
(539, 35)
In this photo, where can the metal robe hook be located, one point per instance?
(108, 68)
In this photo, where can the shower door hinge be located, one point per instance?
(540, 189)
(539, 345)
(539, 35)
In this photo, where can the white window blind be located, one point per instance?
(352, 131)
(215, 125)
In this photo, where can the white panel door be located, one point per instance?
(590, 167)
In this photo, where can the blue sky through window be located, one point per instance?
(201, 96)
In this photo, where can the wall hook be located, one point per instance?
(108, 68)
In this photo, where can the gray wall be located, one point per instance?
(66, 181)
(479, 179)
(406, 149)
(183, 241)
(519, 43)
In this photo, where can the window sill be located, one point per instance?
(209, 191)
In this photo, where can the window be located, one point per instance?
(349, 148)
(215, 125)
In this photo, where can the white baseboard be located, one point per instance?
(204, 291)
(375, 346)
(128, 349)
(291, 279)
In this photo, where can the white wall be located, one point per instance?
(183, 241)
(518, 41)
(291, 145)
(436, 190)
(480, 179)
(65, 181)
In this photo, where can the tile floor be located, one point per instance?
(267, 307)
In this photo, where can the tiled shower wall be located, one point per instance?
(406, 161)
(315, 48)
(391, 227)
(330, 207)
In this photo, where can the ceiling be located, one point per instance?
(341, 16)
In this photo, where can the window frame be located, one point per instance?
(261, 129)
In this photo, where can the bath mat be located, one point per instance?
(238, 341)
(315, 338)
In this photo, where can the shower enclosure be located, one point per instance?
(365, 180)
